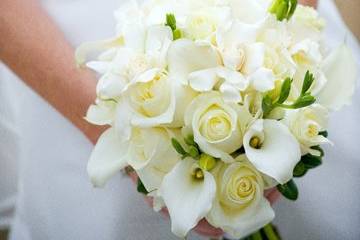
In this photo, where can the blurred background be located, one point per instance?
(349, 9)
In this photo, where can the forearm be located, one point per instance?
(312, 3)
(36, 50)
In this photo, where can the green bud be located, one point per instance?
(189, 140)
(267, 105)
(177, 34)
(207, 162)
(308, 81)
(178, 147)
(283, 9)
(285, 90)
(304, 101)
(194, 152)
(289, 190)
(171, 21)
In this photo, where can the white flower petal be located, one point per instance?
(188, 200)
(254, 54)
(110, 85)
(263, 80)
(203, 80)
(108, 157)
(248, 11)
(340, 69)
(99, 66)
(185, 57)
(157, 36)
(279, 152)
(251, 220)
(102, 113)
(84, 49)
(230, 93)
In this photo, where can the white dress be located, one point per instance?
(55, 200)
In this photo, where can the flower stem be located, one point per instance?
(270, 233)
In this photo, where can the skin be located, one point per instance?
(37, 51)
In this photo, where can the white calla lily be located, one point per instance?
(272, 149)
(188, 196)
(185, 57)
(240, 207)
(108, 158)
(340, 69)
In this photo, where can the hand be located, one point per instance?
(311, 3)
(204, 228)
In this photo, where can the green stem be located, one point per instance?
(270, 233)
(256, 236)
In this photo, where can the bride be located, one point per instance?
(55, 199)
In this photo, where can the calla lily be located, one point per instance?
(108, 157)
(188, 197)
(272, 149)
(340, 69)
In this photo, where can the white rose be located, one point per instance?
(306, 124)
(217, 126)
(240, 207)
(202, 24)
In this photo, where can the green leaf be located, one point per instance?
(171, 21)
(141, 188)
(300, 170)
(311, 161)
(308, 81)
(289, 190)
(285, 90)
(304, 101)
(318, 148)
(324, 134)
(267, 105)
(178, 147)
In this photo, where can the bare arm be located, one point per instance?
(312, 3)
(36, 50)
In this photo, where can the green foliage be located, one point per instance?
(171, 22)
(141, 188)
(289, 190)
(175, 143)
(283, 9)
(308, 162)
(305, 99)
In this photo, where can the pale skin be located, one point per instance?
(37, 51)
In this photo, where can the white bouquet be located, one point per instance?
(213, 102)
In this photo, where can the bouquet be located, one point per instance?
(213, 102)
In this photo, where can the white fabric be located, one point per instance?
(9, 148)
(57, 202)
